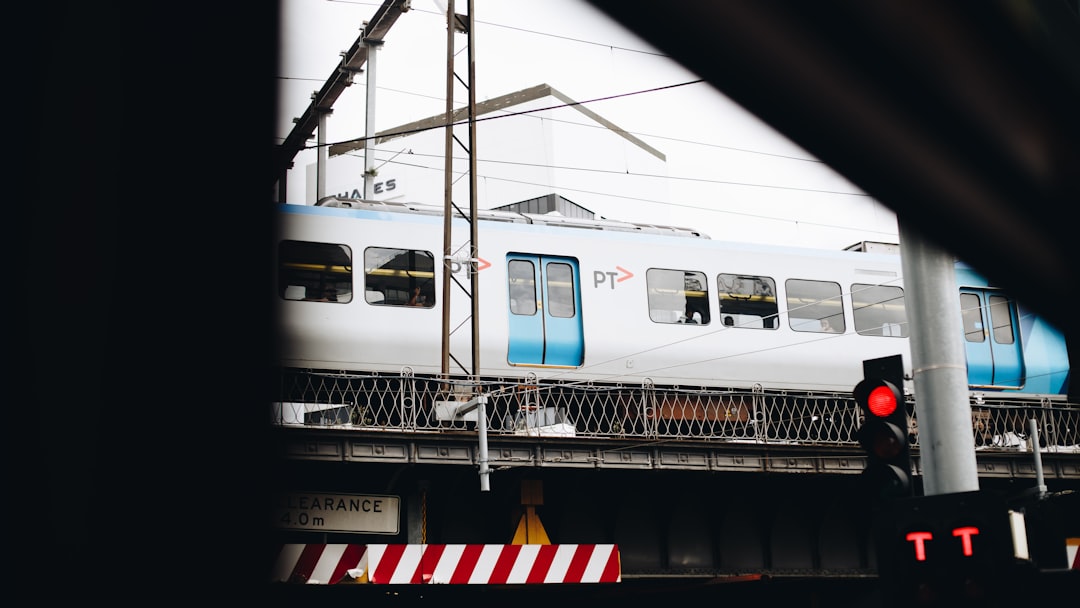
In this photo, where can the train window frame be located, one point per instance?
(386, 285)
(1001, 316)
(810, 304)
(560, 289)
(312, 271)
(879, 316)
(669, 292)
(520, 279)
(747, 296)
(971, 317)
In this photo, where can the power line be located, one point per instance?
(652, 201)
(597, 126)
(578, 41)
(503, 116)
(632, 174)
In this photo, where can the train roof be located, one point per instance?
(514, 217)
(336, 205)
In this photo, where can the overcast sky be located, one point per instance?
(728, 174)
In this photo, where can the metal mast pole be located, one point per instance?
(474, 247)
(369, 122)
(463, 23)
(939, 366)
(474, 258)
(448, 190)
(321, 157)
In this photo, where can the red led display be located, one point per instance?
(920, 538)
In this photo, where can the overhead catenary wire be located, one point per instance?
(685, 179)
(601, 127)
(860, 230)
(577, 41)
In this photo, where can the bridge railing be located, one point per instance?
(407, 403)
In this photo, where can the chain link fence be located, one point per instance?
(529, 407)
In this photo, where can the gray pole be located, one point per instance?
(481, 430)
(369, 126)
(939, 366)
(1033, 433)
(320, 159)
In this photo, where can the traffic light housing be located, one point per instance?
(945, 551)
(884, 431)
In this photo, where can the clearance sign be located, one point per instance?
(318, 512)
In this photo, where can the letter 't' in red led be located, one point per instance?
(965, 533)
(919, 538)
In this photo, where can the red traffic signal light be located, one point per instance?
(878, 397)
(882, 400)
(884, 432)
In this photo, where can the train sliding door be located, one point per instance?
(994, 356)
(545, 311)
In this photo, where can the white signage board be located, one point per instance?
(318, 512)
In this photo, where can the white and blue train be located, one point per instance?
(360, 289)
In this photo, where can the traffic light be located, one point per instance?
(884, 432)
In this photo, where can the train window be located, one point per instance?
(314, 272)
(521, 274)
(879, 310)
(560, 290)
(971, 315)
(399, 277)
(1001, 320)
(747, 301)
(678, 296)
(815, 306)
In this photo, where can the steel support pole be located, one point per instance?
(939, 366)
(369, 122)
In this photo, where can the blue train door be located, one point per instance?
(545, 311)
(994, 356)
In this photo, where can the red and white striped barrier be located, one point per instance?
(318, 564)
(448, 564)
(493, 564)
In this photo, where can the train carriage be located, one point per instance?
(360, 289)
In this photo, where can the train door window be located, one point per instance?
(747, 301)
(678, 296)
(399, 277)
(1001, 320)
(815, 306)
(971, 315)
(879, 310)
(314, 272)
(521, 275)
(560, 290)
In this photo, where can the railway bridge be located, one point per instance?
(689, 486)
